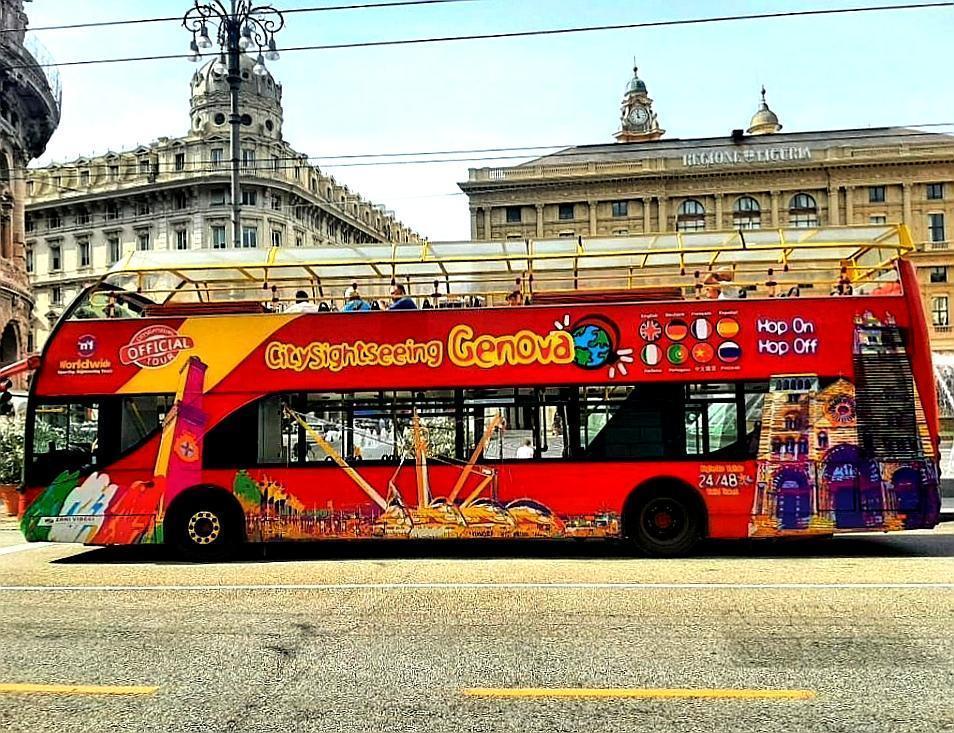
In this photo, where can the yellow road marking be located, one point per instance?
(639, 692)
(26, 688)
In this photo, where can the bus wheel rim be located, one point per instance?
(204, 528)
(664, 520)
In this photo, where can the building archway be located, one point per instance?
(9, 345)
(794, 502)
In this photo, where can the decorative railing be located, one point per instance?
(45, 70)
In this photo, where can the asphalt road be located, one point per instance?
(851, 634)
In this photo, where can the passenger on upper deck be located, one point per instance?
(354, 301)
(400, 301)
(515, 297)
(302, 304)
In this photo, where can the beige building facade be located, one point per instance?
(756, 177)
(84, 216)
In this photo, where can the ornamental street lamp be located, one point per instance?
(238, 29)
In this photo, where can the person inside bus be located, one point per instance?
(515, 297)
(525, 450)
(354, 301)
(400, 301)
(302, 304)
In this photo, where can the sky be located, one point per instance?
(829, 72)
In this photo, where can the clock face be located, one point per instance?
(638, 116)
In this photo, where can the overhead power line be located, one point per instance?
(529, 33)
(178, 18)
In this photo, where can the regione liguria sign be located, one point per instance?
(742, 156)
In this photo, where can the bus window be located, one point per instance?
(325, 417)
(554, 406)
(622, 421)
(436, 415)
(518, 420)
(722, 419)
(258, 429)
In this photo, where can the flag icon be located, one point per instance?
(701, 329)
(651, 355)
(650, 330)
(677, 330)
(703, 353)
(727, 327)
(678, 354)
(729, 352)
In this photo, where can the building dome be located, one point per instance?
(260, 101)
(636, 85)
(764, 121)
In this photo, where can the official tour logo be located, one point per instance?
(154, 347)
(86, 345)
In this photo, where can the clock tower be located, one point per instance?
(638, 121)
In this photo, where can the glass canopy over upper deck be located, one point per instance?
(739, 263)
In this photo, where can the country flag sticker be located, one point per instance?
(703, 353)
(729, 352)
(677, 330)
(651, 355)
(677, 354)
(650, 330)
(727, 327)
(701, 329)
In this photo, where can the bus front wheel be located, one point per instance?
(664, 521)
(203, 529)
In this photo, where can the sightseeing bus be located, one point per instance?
(659, 389)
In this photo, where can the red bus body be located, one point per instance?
(811, 446)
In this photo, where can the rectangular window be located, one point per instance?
(936, 227)
(248, 157)
(935, 191)
(143, 208)
(112, 211)
(218, 237)
(56, 295)
(620, 208)
(29, 260)
(113, 172)
(56, 258)
(84, 178)
(566, 212)
(180, 161)
(83, 252)
(83, 218)
(30, 224)
(182, 239)
(876, 194)
(54, 221)
(938, 274)
(299, 241)
(276, 163)
(939, 312)
(249, 197)
(143, 242)
(276, 202)
(216, 157)
(277, 236)
(180, 200)
(114, 248)
(249, 237)
(144, 166)
(217, 197)
(513, 215)
(877, 219)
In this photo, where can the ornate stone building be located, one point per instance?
(85, 215)
(29, 113)
(760, 177)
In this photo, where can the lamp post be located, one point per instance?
(237, 29)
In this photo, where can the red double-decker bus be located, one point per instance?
(659, 389)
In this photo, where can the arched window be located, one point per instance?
(746, 213)
(691, 216)
(803, 211)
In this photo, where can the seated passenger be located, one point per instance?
(302, 304)
(515, 297)
(400, 301)
(354, 301)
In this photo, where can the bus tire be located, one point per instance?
(204, 525)
(664, 519)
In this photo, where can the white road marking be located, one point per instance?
(476, 586)
(23, 547)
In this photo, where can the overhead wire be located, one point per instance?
(523, 34)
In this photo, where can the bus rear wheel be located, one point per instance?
(203, 530)
(664, 522)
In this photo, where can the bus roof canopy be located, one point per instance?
(805, 256)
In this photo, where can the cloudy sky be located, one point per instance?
(837, 71)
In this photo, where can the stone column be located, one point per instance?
(540, 220)
(663, 213)
(647, 214)
(833, 213)
(849, 204)
(908, 216)
(487, 231)
(473, 224)
(718, 211)
(592, 205)
(776, 222)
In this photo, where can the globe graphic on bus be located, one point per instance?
(592, 346)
